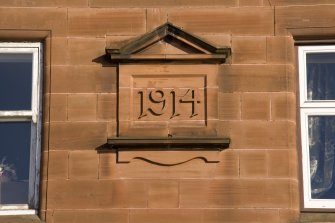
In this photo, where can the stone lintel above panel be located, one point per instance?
(190, 47)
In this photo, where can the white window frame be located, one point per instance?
(34, 115)
(311, 108)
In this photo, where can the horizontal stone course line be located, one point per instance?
(176, 209)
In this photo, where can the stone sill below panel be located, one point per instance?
(168, 151)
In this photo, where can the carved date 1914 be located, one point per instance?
(157, 101)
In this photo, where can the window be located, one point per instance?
(317, 113)
(20, 127)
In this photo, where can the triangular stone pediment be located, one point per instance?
(168, 42)
(163, 47)
(169, 47)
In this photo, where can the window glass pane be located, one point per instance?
(320, 76)
(15, 81)
(14, 158)
(321, 133)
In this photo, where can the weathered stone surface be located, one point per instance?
(165, 216)
(58, 165)
(249, 50)
(99, 22)
(82, 107)
(58, 107)
(309, 17)
(255, 106)
(107, 106)
(163, 194)
(241, 215)
(252, 2)
(255, 78)
(253, 164)
(77, 135)
(83, 164)
(279, 163)
(155, 18)
(228, 167)
(54, 19)
(260, 134)
(166, 3)
(83, 79)
(301, 2)
(229, 106)
(278, 50)
(88, 216)
(232, 193)
(290, 215)
(95, 194)
(237, 21)
(45, 3)
(283, 106)
(85, 51)
(59, 51)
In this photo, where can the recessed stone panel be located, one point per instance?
(165, 97)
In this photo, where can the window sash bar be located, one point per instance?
(308, 201)
(16, 209)
(17, 212)
(34, 49)
(16, 115)
(302, 52)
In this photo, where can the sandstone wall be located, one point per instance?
(257, 178)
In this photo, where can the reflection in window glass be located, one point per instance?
(14, 157)
(320, 76)
(15, 81)
(321, 132)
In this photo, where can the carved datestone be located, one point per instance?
(168, 86)
(168, 100)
